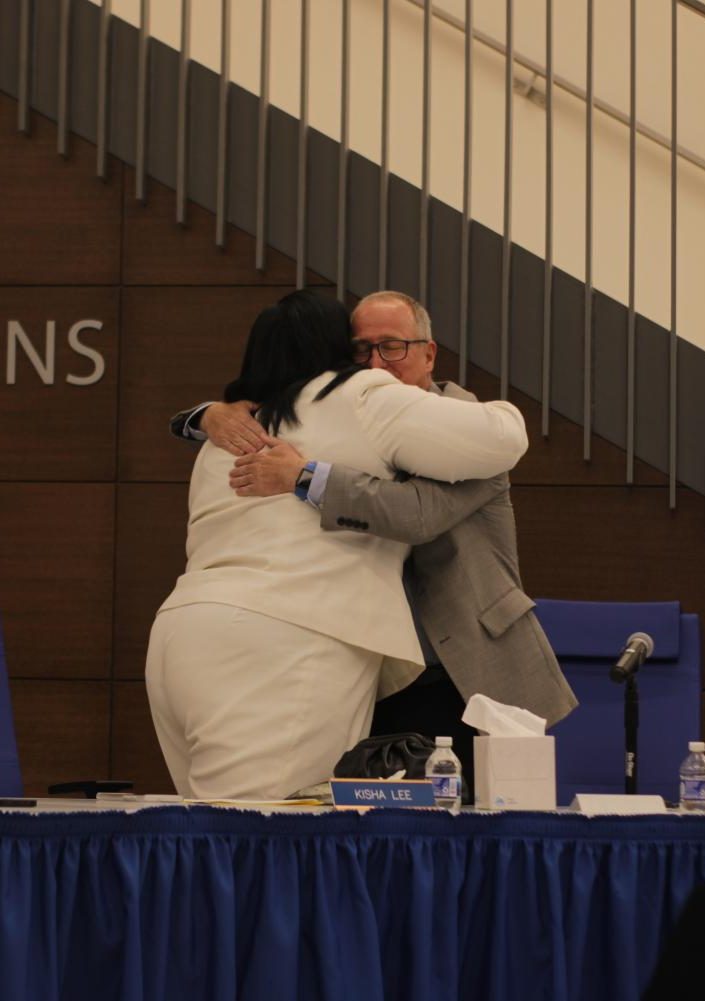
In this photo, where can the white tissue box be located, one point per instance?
(515, 773)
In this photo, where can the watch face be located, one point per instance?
(305, 476)
(303, 480)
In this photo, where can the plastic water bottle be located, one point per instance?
(444, 772)
(692, 776)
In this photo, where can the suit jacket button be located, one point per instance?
(348, 522)
(341, 520)
(364, 524)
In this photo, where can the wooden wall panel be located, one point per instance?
(59, 224)
(62, 730)
(157, 251)
(59, 431)
(179, 346)
(151, 540)
(612, 544)
(558, 459)
(56, 578)
(88, 555)
(136, 754)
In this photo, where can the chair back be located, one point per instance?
(587, 638)
(10, 776)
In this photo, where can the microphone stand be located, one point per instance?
(639, 647)
(631, 727)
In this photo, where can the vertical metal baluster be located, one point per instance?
(673, 353)
(548, 260)
(384, 152)
(426, 151)
(631, 315)
(224, 89)
(103, 86)
(301, 204)
(62, 109)
(587, 330)
(262, 139)
(466, 221)
(24, 44)
(344, 150)
(182, 113)
(141, 117)
(507, 242)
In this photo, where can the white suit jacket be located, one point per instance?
(270, 555)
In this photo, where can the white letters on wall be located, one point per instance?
(81, 349)
(43, 360)
(45, 369)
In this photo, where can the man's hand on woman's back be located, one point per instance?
(232, 427)
(272, 471)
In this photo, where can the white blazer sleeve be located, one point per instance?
(434, 436)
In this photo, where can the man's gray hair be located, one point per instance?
(421, 318)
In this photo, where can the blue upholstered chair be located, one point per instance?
(587, 637)
(10, 777)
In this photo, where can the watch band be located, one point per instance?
(303, 480)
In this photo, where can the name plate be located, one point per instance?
(363, 794)
(598, 804)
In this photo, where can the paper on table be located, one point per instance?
(253, 804)
(133, 797)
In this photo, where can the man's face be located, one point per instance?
(390, 320)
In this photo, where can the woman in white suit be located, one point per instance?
(263, 661)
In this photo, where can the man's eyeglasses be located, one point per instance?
(395, 350)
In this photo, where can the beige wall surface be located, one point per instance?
(611, 167)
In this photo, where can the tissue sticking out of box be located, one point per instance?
(497, 720)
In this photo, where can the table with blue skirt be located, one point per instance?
(221, 905)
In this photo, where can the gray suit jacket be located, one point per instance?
(466, 583)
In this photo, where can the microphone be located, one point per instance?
(639, 647)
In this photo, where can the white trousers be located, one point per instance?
(250, 707)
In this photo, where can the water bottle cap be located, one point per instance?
(696, 745)
(445, 742)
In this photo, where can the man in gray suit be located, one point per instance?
(476, 624)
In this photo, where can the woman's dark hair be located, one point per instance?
(290, 343)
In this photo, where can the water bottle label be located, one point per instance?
(693, 789)
(445, 786)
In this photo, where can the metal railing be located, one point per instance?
(428, 15)
(670, 143)
(141, 117)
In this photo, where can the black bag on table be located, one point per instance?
(382, 756)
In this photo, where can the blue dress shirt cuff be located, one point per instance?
(318, 484)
